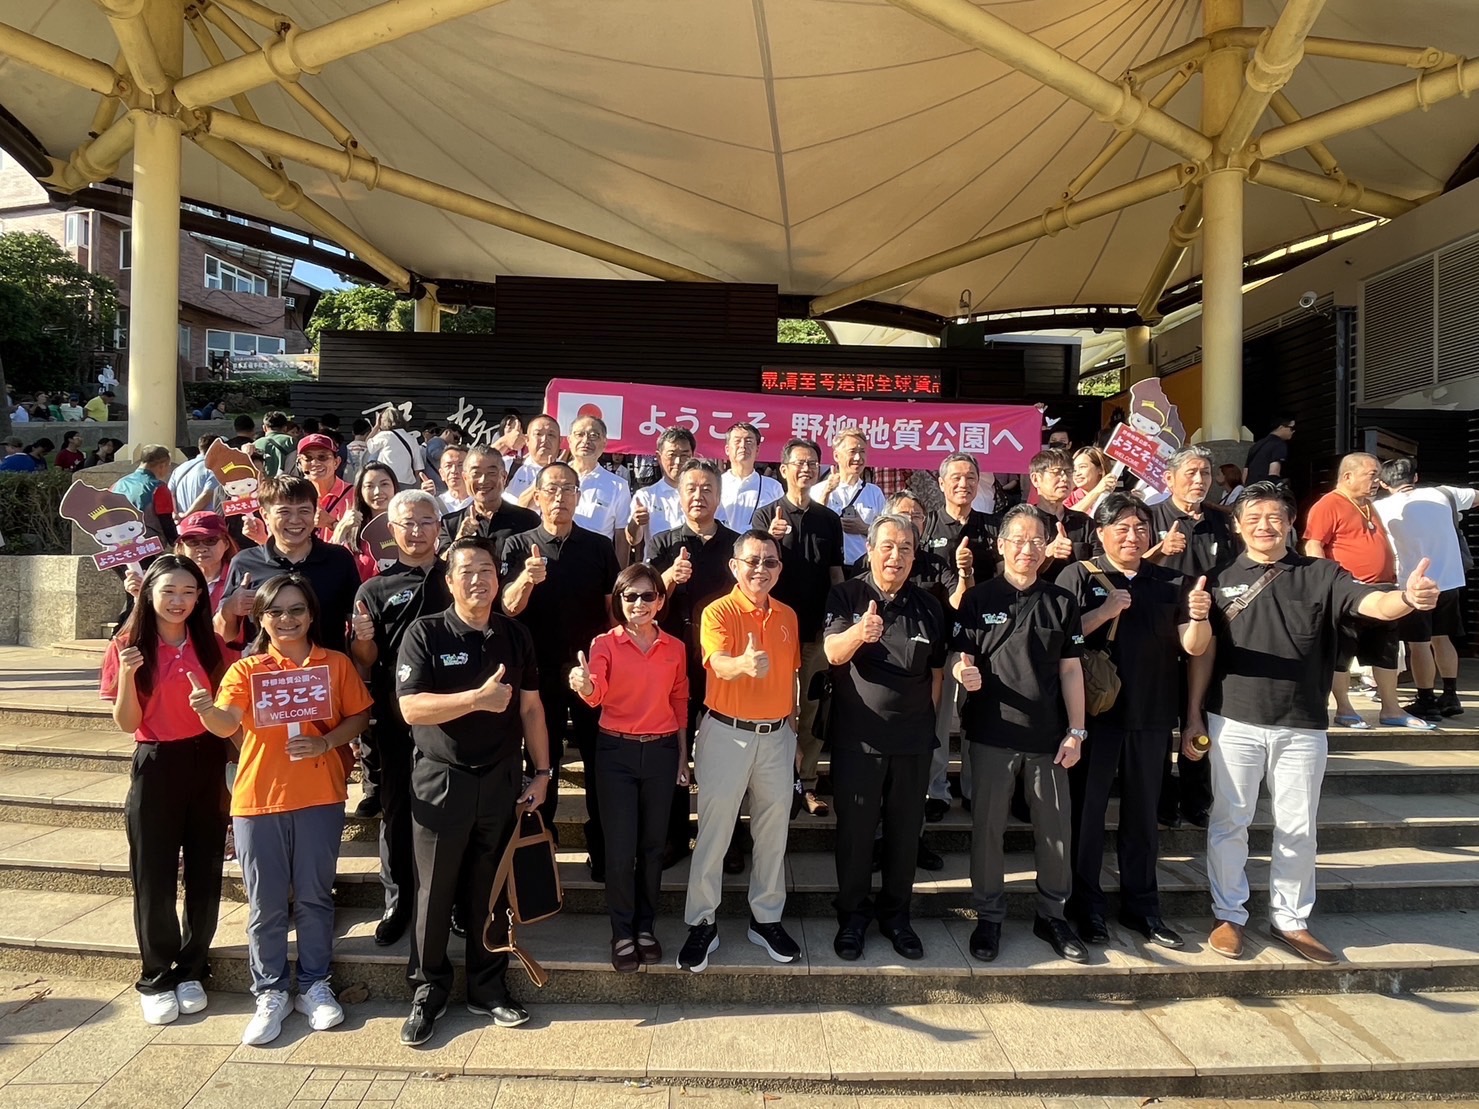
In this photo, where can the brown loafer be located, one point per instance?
(1227, 939)
(649, 951)
(1303, 943)
(624, 956)
(815, 805)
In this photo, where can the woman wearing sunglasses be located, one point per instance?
(638, 675)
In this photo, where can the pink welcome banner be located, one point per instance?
(910, 435)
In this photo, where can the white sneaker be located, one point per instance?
(320, 1006)
(191, 996)
(266, 1022)
(159, 1008)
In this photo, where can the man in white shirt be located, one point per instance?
(656, 508)
(605, 500)
(544, 446)
(1423, 523)
(742, 490)
(855, 500)
(455, 497)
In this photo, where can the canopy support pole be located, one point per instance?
(428, 310)
(1139, 359)
(1337, 192)
(154, 307)
(95, 160)
(1183, 233)
(1274, 61)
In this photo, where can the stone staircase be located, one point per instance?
(1399, 900)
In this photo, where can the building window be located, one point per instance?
(241, 344)
(120, 330)
(79, 229)
(223, 275)
(184, 341)
(126, 248)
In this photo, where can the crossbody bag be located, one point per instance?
(1101, 676)
(530, 874)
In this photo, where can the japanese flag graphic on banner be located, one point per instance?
(573, 406)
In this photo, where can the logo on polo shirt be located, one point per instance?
(1079, 640)
(956, 629)
(459, 659)
(1100, 591)
(1231, 591)
(403, 672)
(922, 638)
(942, 541)
(992, 618)
(401, 598)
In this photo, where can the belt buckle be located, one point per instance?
(765, 728)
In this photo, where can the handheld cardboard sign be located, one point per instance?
(117, 525)
(238, 475)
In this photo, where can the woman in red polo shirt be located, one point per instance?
(638, 674)
(166, 646)
(373, 489)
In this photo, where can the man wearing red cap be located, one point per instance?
(318, 459)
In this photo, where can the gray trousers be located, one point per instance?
(994, 775)
(289, 857)
(728, 761)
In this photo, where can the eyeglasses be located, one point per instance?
(296, 612)
(1019, 544)
(803, 464)
(561, 490)
(414, 526)
(647, 598)
(759, 563)
(197, 541)
(1056, 472)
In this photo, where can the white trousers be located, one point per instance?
(1293, 761)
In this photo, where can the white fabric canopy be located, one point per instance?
(805, 143)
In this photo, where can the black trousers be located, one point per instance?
(636, 790)
(1187, 792)
(866, 784)
(369, 766)
(680, 827)
(1137, 759)
(571, 722)
(175, 803)
(461, 821)
(394, 751)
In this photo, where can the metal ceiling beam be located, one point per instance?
(1316, 150)
(1274, 61)
(1122, 138)
(1116, 104)
(373, 174)
(1182, 234)
(1377, 53)
(108, 104)
(95, 160)
(212, 52)
(301, 51)
(1050, 222)
(131, 29)
(60, 62)
(259, 14)
(1335, 192)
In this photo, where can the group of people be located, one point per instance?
(63, 407)
(711, 633)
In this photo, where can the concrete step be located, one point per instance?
(91, 649)
(72, 933)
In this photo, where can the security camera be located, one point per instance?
(1307, 299)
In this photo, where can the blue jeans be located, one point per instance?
(289, 856)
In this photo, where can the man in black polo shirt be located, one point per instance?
(467, 681)
(288, 507)
(1143, 615)
(559, 581)
(693, 559)
(809, 535)
(1275, 617)
(886, 641)
(1070, 534)
(384, 609)
(1194, 541)
(1266, 457)
(489, 515)
(1019, 643)
(957, 548)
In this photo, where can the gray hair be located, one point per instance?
(890, 520)
(410, 498)
(959, 456)
(1186, 454)
(600, 423)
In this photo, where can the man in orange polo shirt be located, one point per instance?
(746, 741)
(1344, 527)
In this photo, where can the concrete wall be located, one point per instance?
(48, 598)
(114, 429)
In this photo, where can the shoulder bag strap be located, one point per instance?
(1233, 610)
(1012, 627)
(1103, 579)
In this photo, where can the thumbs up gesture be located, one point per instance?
(493, 695)
(130, 659)
(872, 624)
(1422, 591)
(580, 676)
(1199, 601)
(779, 529)
(361, 625)
(965, 559)
(536, 567)
(967, 673)
(683, 568)
(1061, 547)
(200, 697)
(254, 528)
(641, 514)
(1174, 541)
(242, 600)
(754, 662)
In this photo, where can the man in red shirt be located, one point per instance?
(1343, 526)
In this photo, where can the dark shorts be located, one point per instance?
(1371, 642)
(1447, 619)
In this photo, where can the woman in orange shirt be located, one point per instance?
(288, 800)
(163, 650)
(638, 674)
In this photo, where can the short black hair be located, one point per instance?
(1283, 419)
(244, 423)
(276, 420)
(309, 425)
(472, 543)
(1019, 510)
(1264, 491)
(1115, 505)
(360, 426)
(329, 419)
(759, 537)
(1398, 472)
(805, 444)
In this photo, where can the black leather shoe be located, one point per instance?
(905, 942)
(734, 861)
(986, 940)
(368, 807)
(1152, 928)
(597, 868)
(929, 860)
(1171, 821)
(1094, 929)
(965, 803)
(420, 1024)
(508, 1015)
(458, 927)
(849, 943)
(1197, 817)
(1061, 937)
(672, 856)
(935, 810)
(392, 927)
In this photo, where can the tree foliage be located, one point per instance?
(370, 308)
(465, 321)
(54, 315)
(800, 331)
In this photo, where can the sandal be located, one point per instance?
(624, 955)
(1407, 720)
(815, 805)
(1354, 722)
(648, 949)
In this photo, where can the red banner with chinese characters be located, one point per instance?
(1145, 457)
(1003, 437)
(291, 696)
(848, 383)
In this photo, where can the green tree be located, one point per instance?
(800, 331)
(54, 315)
(357, 308)
(465, 321)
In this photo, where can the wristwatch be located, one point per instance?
(1078, 733)
(544, 772)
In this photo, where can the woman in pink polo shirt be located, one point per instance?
(174, 797)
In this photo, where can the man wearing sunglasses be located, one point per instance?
(746, 742)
